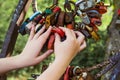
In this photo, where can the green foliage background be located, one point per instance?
(93, 54)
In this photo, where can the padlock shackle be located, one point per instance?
(34, 5)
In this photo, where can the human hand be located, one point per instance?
(68, 49)
(64, 53)
(31, 53)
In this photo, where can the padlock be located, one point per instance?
(51, 42)
(95, 28)
(68, 17)
(60, 20)
(39, 25)
(29, 26)
(52, 18)
(85, 33)
(84, 17)
(93, 13)
(94, 35)
(101, 8)
(34, 15)
(28, 23)
(70, 26)
(49, 10)
(48, 20)
(86, 76)
(52, 37)
(38, 18)
(82, 28)
(96, 21)
(59, 31)
(84, 5)
(22, 27)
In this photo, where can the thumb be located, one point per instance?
(44, 55)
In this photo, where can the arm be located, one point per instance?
(30, 54)
(64, 52)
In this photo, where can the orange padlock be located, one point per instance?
(69, 26)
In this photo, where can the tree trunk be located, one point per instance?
(113, 42)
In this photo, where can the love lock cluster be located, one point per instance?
(89, 11)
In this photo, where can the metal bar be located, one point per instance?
(34, 5)
(12, 33)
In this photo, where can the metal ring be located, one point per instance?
(74, 70)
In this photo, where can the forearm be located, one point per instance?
(54, 71)
(9, 63)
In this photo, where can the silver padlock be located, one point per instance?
(29, 26)
(85, 4)
(84, 17)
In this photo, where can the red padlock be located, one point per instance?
(52, 37)
(94, 27)
(51, 42)
(102, 9)
(56, 9)
(96, 21)
(59, 31)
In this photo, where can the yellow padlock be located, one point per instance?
(50, 20)
(94, 35)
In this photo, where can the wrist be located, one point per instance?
(19, 61)
(64, 61)
(64, 58)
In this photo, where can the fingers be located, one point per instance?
(32, 33)
(44, 55)
(81, 37)
(73, 33)
(57, 39)
(68, 32)
(81, 40)
(82, 46)
(39, 32)
(43, 38)
(47, 33)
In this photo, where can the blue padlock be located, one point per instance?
(22, 29)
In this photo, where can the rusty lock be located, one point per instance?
(61, 19)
